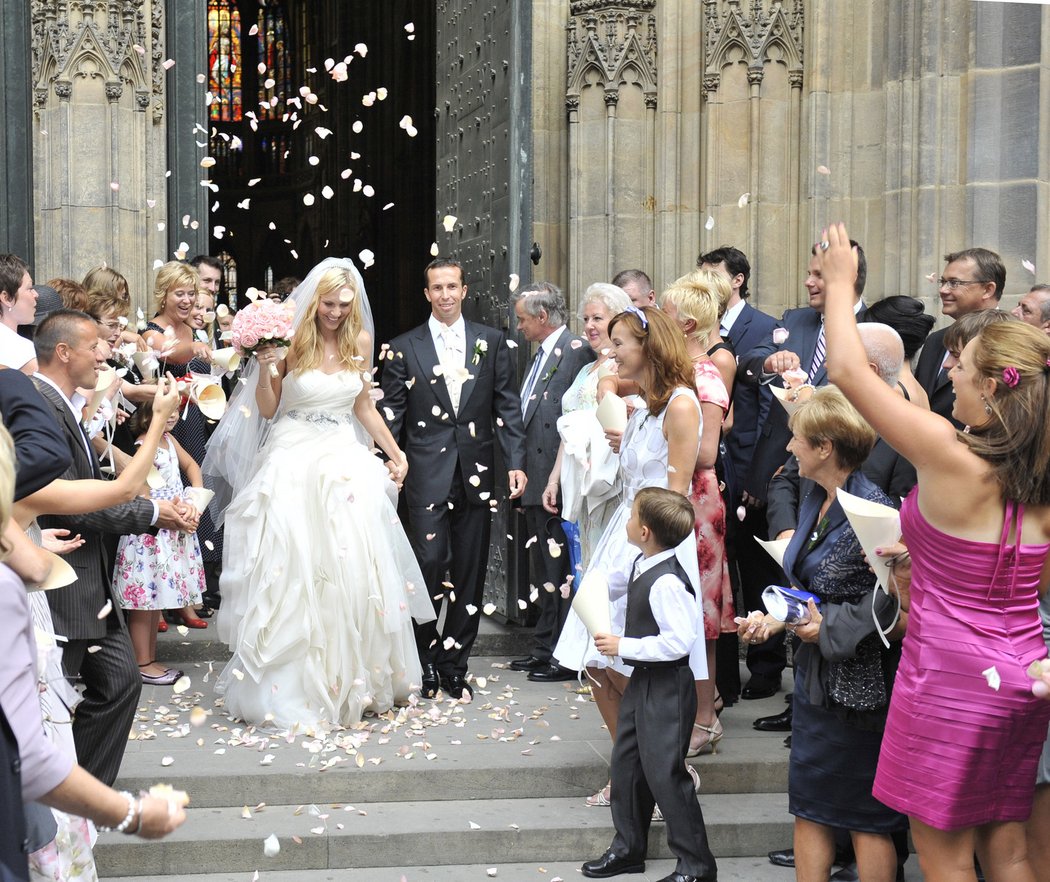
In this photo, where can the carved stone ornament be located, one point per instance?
(610, 38)
(97, 38)
(752, 28)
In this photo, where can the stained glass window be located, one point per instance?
(275, 84)
(224, 60)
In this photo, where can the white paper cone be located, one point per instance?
(876, 525)
(784, 397)
(775, 548)
(225, 360)
(612, 413)
(61, 574)
(591, 603)
(207, 394)
(147, 363)
(199, 497)
(106, 378)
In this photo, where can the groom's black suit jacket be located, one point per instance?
(435, 442)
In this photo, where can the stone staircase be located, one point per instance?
(439, 792)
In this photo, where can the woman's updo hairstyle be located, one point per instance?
(700, 297)
(1016, 438)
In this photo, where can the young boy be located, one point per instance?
(659, 705)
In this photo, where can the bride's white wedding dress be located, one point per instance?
(319, 581)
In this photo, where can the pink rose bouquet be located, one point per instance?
(263, 323)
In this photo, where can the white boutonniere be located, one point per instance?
(480, 348)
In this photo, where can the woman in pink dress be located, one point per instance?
(964, 731)
(693, 302)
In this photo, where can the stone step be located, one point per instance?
(196, 645)
(747, 869)
(517, 739)
(400, 834)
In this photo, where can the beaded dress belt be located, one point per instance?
(320, 417)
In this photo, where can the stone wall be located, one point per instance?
(921, 123)
(99, 138)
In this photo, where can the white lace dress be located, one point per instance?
(643, 463)
(319, 582)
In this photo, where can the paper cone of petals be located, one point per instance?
(199, 497)
(207, 394)
(106, 378)
(876, 525)
(612, 413)
(61, 574)
(225, 360)
(775, 548)
(592, 603)
(146, 362)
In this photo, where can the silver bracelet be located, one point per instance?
(123, 825)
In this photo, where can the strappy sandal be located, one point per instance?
(710, 744)
(602, 798)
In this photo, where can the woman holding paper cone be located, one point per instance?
(657, 449)
(964, 731)
(842, 670)
(588, 501)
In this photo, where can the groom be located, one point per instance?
(449, 394)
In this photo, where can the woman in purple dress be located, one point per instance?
(964, 731)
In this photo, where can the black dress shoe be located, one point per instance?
(783, 858)
(456, 686)
(850, 873)
(777, 723)
(431, 681)
(529, 663)
(610, 864)
(551, 674)
(760, 687)
(685, 877)
(787, 742)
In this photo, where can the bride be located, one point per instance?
(319, 582)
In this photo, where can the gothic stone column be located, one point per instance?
(99, 138)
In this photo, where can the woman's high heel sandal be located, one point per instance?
(710, 743)
(602, 797)
(162, 626)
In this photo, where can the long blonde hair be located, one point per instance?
(307, 350)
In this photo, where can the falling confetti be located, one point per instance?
(513, 284)
(449, 223)
(823, 170)
(992, 676)
(780, 336)
(743, 200)
(105, 611)
(1028, 265)
(709, 224)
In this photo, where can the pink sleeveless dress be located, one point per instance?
(958, 752)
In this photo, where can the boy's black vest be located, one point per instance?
(639, 620)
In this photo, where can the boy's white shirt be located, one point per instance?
(675, 611)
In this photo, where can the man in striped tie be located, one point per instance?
(802, 348)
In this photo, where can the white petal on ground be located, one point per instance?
(271, 847)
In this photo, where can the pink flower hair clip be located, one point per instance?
(1011, 377)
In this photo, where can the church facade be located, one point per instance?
(554, 139)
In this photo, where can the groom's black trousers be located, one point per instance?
(451, 544)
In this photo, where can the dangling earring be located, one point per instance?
(987, 406)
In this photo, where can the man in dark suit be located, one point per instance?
(745, 328)
(973, 279)
(803, 348)
(87, 612)
(449, 395)
(542, 315)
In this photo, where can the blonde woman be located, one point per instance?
(695, 302)
(320, 586)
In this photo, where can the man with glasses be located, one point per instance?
(972, 280)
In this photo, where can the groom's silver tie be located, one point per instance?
(452, 362)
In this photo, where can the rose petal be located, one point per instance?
(992, 676)
(271, 846)
(743, 200)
